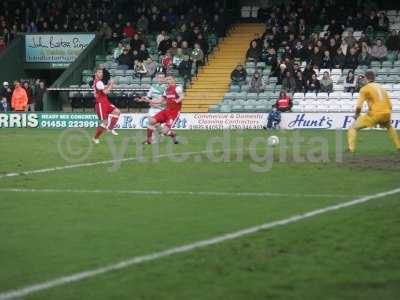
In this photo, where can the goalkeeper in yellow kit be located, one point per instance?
(379, 111)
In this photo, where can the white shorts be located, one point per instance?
(153, 111)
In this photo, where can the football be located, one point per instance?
(273, 140)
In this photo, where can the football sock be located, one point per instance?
(113, 122)
(99, 131)
(172, 135)
(149, 134)
(351, 139)
(394, 136)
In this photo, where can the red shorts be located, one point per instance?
(167, 117)
(103, 109)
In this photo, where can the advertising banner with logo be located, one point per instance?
(55, 48)
(188, 121)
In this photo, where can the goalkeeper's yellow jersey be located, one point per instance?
(377, 99)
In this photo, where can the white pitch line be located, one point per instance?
(12, 294)
(155, 192)
(106, 162)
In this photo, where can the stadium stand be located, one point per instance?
(300, 38)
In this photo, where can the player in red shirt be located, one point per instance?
(104, 108)
(173, 97)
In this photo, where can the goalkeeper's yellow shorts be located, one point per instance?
(372, 119)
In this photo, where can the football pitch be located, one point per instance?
(221, 215)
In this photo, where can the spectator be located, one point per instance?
(185, 70)
(19, 99)
(197, 56)
(351, 61)
(379, 51)
(151, 67)
(139, 69)
(284, 102)
(345, 47)
(364, 39)
(178, 58)
(274, 119)
(164, 45)
(339, 60)
(393, 41)
(238, 75)
(298, 51)
(118, 51)
(125, 60)
(332, 47)
(335, 28)
(383, 22)
(128, 30)
(142, 24)
(2, 43)
(313, 84)
(254, 52)
(350, 82)
(256, 84)
(316, 58)
(308, 72)
(39, 94)
(350, 39)
(166, 63)
(174, 48)
(300, 83)
(136, 42)
(280, 73)
(29, 94)
(160, 37)
(360, 83)
(269, 57)
(289, 83)
(143, 54)
(364, 59)
(326, 61)
(186, 50)
(5, 96)
(326, 83)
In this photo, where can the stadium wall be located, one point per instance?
(186, 121)
(12, 61)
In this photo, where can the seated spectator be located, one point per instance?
(174, 48)
(360, 83)
(185, 70)
(383, 22)
(339, 60)
(136, 42)
(139, 69)
(166, 62)
(268, 56)
(350, 82)
(2, 44)
(128, 30)
(326, 83)
(197, 56)
(344, 47)
(316, 57)
(160, 37)
(308, 72)
(125, 60)
(178, 58)
(289, 83)
(19, 98)
(312, 84)
(254, 52)
(364, 39)
(351, 61)
(186, 50)
(326, 62)
(379, 51)
(332, 47)
(298, 51)
(143, 54)
(364, 59)
(280, 73)
(256, 84)
(164, 45)
(284, 102)
(393, 41)
(142, 24)
(287, 53)
(274, 119)
(300, 83)
(118, 51)
(350, 39)
(238, 75)
(151, 67)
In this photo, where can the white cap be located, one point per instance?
(5, 83)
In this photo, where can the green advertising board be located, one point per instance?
(48, 120)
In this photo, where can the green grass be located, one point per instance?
(349, 254)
